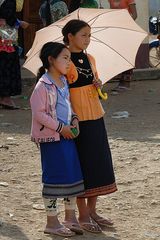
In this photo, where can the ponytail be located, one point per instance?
(41, 71)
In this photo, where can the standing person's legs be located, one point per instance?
(102, 222)
(71, 221)
(84, 217)
(70, 205)
(10, 78)
(126, 79)
(53, 225)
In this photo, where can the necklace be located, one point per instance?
(86, 72)
(80, 61)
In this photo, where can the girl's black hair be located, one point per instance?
(52, 49)
(73, 27)
(8, 12)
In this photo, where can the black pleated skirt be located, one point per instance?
(10, 76)
(95, 158)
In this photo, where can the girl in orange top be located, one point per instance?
(92, 143)
(130, 5)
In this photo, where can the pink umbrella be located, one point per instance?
(115, 39)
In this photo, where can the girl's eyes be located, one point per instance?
(85, 35)
(67, 58)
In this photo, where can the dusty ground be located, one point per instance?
(135, 145)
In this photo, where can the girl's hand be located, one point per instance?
(24, 24)
(66, 132)
(97, 83)
(75, 123)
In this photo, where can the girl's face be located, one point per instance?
(81, 39)
(62, 63)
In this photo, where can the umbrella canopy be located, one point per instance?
(115, 39)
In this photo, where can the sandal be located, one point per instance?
(90, 227)
(9, 107)
(103, 222)
(74, 227)
(120, 89)
(62, 231)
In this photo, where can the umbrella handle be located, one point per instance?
(104, 96)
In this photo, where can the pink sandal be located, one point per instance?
(91, 227)
(62, 231)
(103, 222)
(74, 227)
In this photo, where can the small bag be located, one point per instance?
(8, 33)
(8, 38)
(19, 5)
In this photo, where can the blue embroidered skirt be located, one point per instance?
(61, 171)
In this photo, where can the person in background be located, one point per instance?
(130, 5)
(10, 76)
(82, 3)
(52, 10)
(125, 77)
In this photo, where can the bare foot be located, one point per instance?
(71, 222)
(8, 103)
(61, 231)
(54, 227)
(90, 226)
(102, 222)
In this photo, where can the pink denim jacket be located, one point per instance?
(45, 126)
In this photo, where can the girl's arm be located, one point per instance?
(24, 24)
(38, 106)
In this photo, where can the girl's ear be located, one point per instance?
(70, 37)
(51, 60)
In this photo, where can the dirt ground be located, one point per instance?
(135, 145)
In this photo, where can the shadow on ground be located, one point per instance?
(12, 232)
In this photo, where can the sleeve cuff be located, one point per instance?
(60, 127)
(74, 116)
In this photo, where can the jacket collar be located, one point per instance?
(45, 79)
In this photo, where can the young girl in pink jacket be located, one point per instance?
(53, 122)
